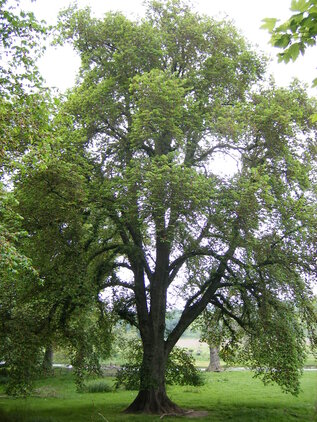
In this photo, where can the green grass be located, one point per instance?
(311, 360)
(98, 386)
(227, 396)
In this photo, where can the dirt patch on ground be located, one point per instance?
(188, 414)
(196, 414)
(45, 392)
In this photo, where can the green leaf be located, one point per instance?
(292, 52)
(282, 41)
(299, 5)
(269, 24)
(311, 42)
(295, 22)
(314, 116)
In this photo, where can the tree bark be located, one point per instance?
(47, 365)
(152, 397)
(214, 363)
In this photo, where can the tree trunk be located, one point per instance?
(47, 365)
(214, 364)
(152, 397)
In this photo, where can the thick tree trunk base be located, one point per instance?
(154, 402)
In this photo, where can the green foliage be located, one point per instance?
(62, 309)
(212, 329)
(88, 338)
(159, 105)
(282, 356)
(19, 345)
(23, 103)
(24, 122)
(3, 375)
(129, 377)
(297, 33)
(275, 347)
(12, 260)
(180, 368)
(20, 41)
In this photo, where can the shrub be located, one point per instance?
(180, 368)
(128, 377)
(98, 386)
(4, 374)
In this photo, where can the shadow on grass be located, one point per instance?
(94, 413)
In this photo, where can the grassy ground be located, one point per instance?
(227, 396)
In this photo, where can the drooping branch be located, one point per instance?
(219, 147)
(177, 264)
(119, 283)
(104, 249)
(215, 301)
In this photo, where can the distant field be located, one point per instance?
(201, 352)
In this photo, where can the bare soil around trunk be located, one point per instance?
(191, 414)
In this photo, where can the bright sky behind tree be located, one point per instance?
(59, 65)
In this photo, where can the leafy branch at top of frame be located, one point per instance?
(295, 34)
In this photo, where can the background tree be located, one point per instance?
(22, 112)
(42, 263)
(157, 102)
(17, 342)
(24, 123)
(212, 332)
(52, 200)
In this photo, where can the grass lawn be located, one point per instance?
(227, 396)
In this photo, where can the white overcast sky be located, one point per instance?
(59, 65)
